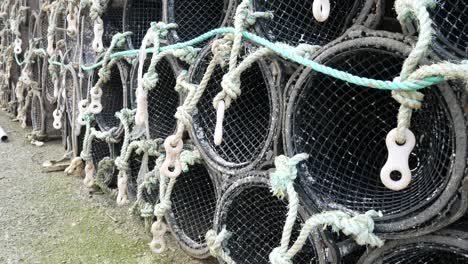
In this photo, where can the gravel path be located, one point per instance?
(52, 218)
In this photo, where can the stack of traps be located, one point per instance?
(283, 109)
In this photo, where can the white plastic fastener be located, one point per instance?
(218, 134)
(321, 10)
(398, 156)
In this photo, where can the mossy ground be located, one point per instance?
(52, 218)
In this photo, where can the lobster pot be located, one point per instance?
(343, 128)
(110, 175)
(256, 219)
(449, 22)
(293, 22)
(114, 97)
(446, 246)
(112, 19)
(150, 194)
(250, 126)
(138, 14)
(135, 164)
(163, 100)
(193, 208)
(195, 17)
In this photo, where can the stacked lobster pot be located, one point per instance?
(257, 131)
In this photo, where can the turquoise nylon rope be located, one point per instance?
(408, 85)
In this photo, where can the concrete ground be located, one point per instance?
(52, 218)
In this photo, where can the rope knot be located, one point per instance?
(161, 208)
(187, 54)
(306, 50)
(231, 84)
(278, 257)
(146, 211)
(285, 173)
(409, 99)
(189, 158)
(119, 38)
(105, 74)
(86, 156)
(361, 227)
(221, 49)
(245, 17)
(183, 116)
(406, 8)
(215, 243)
(121, 164)
(162, 28)
(150, 79)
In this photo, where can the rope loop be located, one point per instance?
(121, 164)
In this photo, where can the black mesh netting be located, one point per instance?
(343, 128)
(195, 17)
(256, 218)
(163, 100)
(36, 113)
(151, 194)
(294, 23)
(99, 150)
(43, 28)
(112, 19)
(135, 163)
(72, 90)
(247, 123)
(87, 36)
(49, 87)
(138, 16)
(193, 207)
(112, 99)
(449, 20)
(426, 253)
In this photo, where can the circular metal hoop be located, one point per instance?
(190, 218)
(251, 123)
(343, 128)
(256, 219)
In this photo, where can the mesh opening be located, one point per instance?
(449, 20)
(135, 165)
(256, 220)
(112, 100)
(427, 253)
(138, 16)
(193, 206)
(112, 19)
(196, 17)
(99, 150)
(163, 100)
(343, 128)
(294, 23)
(247, 122)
